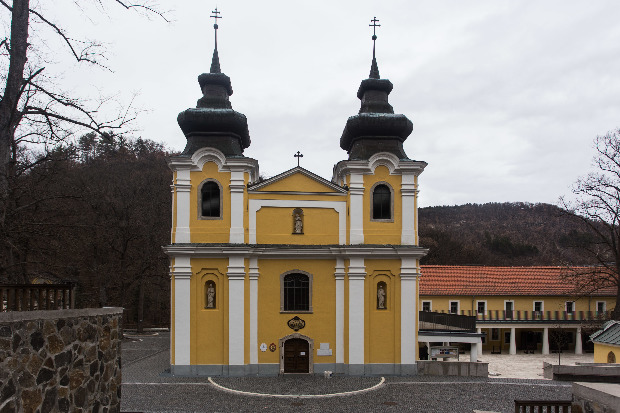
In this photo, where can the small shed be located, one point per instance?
(607, 343)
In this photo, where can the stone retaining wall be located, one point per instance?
(596, 398)
(591, 372)
(453, 368)
(60, 360)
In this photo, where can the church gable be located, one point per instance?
(297, 180)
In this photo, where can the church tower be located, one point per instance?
(294, 273)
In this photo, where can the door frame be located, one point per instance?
(310, 350)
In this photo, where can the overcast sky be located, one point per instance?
(505, 96)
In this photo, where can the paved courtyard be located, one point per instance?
(148, 388)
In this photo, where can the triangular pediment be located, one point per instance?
(298, 180)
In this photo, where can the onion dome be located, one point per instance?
(375, 128)
(213, 123)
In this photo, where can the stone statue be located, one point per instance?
(381, 297)
(210, 296)
(299, 225)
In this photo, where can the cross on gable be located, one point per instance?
(298, 155)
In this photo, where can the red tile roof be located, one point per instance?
(481, 280)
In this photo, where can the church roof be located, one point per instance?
(376, 128)
(457, 280)
(213, 122)
(609, 334)
(324, 184)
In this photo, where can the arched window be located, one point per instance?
(611, 357)
(296, 289)
(211, 200)
(381, 202)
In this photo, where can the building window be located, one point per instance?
(611, 357)
(495, 334)
(427, 306)
(484, 337)
(506, 337)
(210, 295)
(381, 296)
(482, 307)
(210, 200)
(296, 292)
(509, 307)
(601, 306)
(381, 203)
(570, 307)
(538, 307)
(454, 307)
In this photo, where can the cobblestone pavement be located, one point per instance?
(146, 389)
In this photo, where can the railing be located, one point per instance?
(540, 406)
(28, 297)
(542, 316)
(444, 321)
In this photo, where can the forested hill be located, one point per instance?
(511, 234)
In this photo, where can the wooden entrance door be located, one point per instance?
(296, 356)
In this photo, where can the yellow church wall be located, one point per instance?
(209, 326)
(601, 352)
(210, 230)
(297, 182)
(320, 324)
(383, 232)
(275, 226)
(382, 327)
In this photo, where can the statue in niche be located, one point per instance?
(210, 295)
(381, 296)
(298, 224)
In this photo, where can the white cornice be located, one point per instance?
(396, 166)
(204, 155)
(276, 252)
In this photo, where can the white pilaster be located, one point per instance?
(237, 188)
(479, 331)
(578, 349)
(182, 273)
(408, 193)
(545, 341)
(408, 311)
(253, 276)
(473, 355)
(183, 187)
(236, 310)
(513, 341)
(356, 209)
(339, 275)
(357, 276)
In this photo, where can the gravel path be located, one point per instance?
(146, 389)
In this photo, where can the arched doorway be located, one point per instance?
(296, 354)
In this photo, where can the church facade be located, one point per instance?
(295, 273)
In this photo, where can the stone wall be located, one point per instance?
(60, 360)
(596, 398)
(591, 372)
(453, 368)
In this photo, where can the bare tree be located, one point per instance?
(597, 207)
(32, 110)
